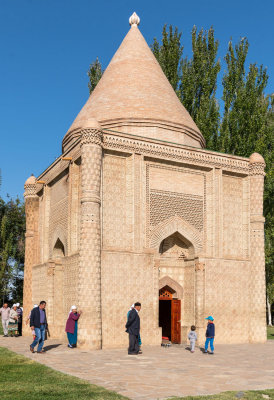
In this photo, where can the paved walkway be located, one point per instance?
(161, 372)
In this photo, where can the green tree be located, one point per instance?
(244, 124)
(169, 54)
(12, 228)
(199, 83)
(95, 73)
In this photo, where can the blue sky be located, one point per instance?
(46, 47)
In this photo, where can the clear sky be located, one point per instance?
(46, 47)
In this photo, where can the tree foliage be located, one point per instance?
(169, 54)
(199, 83)
(12, 228)
(244, 124)
(95, 73)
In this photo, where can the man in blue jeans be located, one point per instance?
(38, 323)
(210, 334)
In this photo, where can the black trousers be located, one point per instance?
(133, 344)
(20, 328)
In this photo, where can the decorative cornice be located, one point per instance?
(150, 148)
(257, 168)
(91, 136)
(30, 190)
(168, 151)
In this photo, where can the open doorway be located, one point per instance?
(170, 315)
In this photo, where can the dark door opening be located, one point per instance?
(165, 317)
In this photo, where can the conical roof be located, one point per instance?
(134, 90)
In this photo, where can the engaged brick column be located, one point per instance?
(31, 245)
(89, 289)
(257, 274)
(199, 299)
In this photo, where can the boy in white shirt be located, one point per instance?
(192, 337)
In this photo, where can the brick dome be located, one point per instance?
(135, 96)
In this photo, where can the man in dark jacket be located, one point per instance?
(210, 334)
(38, 323)
(133, 329)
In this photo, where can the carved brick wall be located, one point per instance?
(118, 211)
(227, 299)
(235, 217)
(40, 283)
(175, 191)
(89, 277)
(127, 278)
(71, 276)
(58, 210)
(257, 331)
(31, 249)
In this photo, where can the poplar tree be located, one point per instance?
(244, 125)
(199, 83)
(169, 54)
(95, 73)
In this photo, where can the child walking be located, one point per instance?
(210, 334)
(192, 337)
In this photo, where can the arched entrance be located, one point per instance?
(176, 256)
(170, 314)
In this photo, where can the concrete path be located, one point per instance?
(161, 372)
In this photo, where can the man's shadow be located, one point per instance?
(51, 346)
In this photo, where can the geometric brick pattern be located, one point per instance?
(257, 329)
(166, 204)
(232, 216)
(89, 281)
(117, 202)
(31, 245)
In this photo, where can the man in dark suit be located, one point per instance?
(38, 323)
(133, 329)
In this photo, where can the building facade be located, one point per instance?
(135, 209)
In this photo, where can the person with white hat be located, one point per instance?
(72, 326)
(13, 321)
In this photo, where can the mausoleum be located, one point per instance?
(136, 209)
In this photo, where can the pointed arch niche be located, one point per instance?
(58, 249)
(178, 231)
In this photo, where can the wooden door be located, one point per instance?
(175, 321)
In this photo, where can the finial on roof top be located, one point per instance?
(134, 20)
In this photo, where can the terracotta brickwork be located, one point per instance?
(89, 279)
(130, 207)
(257, 332)
(31, 242)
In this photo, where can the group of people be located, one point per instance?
(210, 334)
(39, 326)
(12, 319)
(37, 319)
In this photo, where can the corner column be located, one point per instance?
(199, 298)
(89, 289)
(257, 331)
(31, 244)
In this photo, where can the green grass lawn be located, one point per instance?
(24, 379)
(270, 332)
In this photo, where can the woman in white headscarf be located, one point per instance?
(72, 326)
(13, 321)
